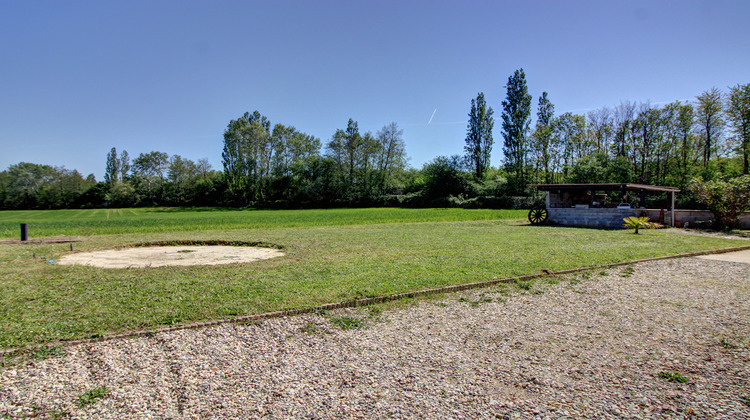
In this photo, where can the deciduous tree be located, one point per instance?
(149, 170)
(346, 149)
(600, 128)
(738, 114)
(391, 154)
(124, 165)
(516, 118)
(246, 157)
(684, 124)
(569, 139)
(710, 116)
(541, 139)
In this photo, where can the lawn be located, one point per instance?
(327, 261)
(43, 223)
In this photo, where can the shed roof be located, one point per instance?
(606, 187)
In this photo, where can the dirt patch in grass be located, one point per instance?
(159, 256)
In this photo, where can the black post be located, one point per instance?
(24, 232)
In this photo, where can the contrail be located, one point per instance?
(432, 116)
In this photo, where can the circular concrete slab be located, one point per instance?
(159, 256)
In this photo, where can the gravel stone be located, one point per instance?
(592, 346)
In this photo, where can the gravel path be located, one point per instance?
(593, 345)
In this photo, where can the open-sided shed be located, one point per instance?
(591, 205)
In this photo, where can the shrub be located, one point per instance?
(727, 200)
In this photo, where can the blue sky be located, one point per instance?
(79, 77)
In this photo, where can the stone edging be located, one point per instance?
(360, 302)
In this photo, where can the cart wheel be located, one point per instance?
(538, 215)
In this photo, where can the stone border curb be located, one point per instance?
(358, 302)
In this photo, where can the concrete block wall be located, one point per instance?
(692, 216)
(603, 218)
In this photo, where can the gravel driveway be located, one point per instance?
(597, 345)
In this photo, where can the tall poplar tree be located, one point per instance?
(541, 139)
(124, 165)
(113, 167)
(516, 123)
(479, 135)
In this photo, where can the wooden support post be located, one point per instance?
(671, 208)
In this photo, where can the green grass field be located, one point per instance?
(332, 255)
(171, 219)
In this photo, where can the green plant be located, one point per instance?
(374, 311)
(348, 322)
(310, 328)
(639, 223)
(91, 396)
(726, 344)
(674, 377)
(252, 322)
(524, 285)
(480, 301)
(627, 271)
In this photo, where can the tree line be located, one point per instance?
(267, 165)
(644, 143)
(284, 167)
(631, 142)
